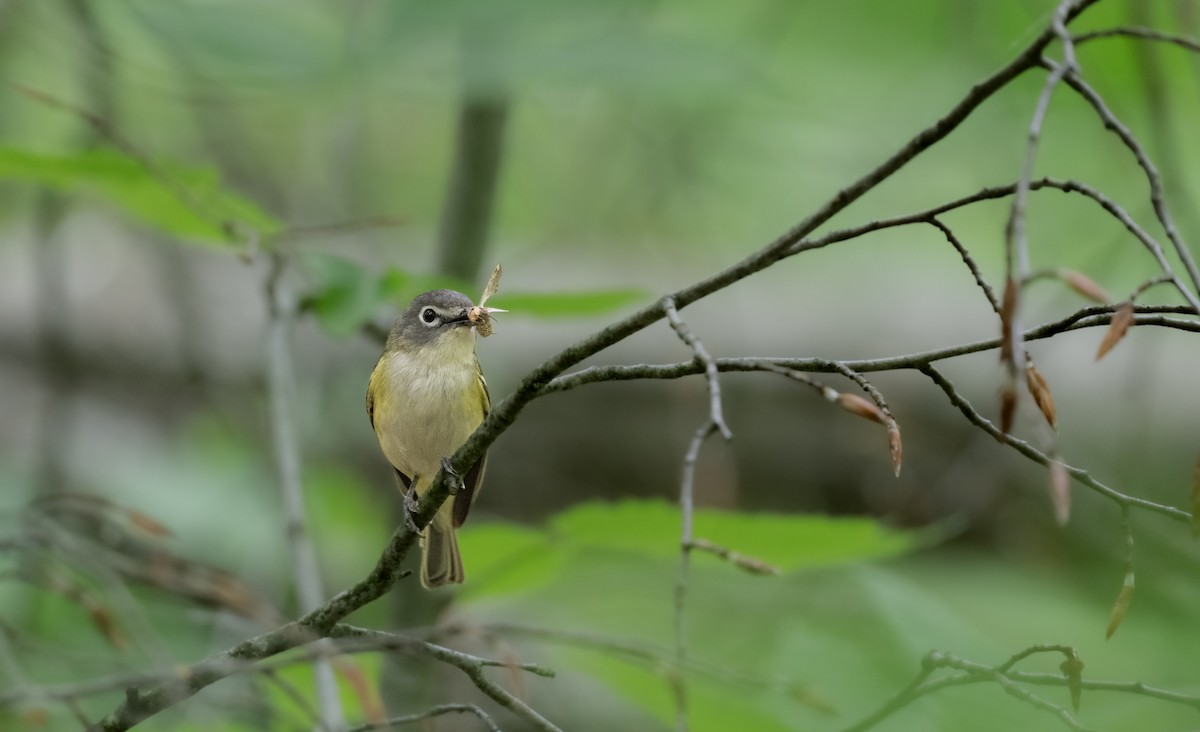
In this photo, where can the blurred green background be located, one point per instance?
(643, 145)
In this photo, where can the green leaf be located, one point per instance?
(713, 705)
(566, 304)
(401, 287)
(190, 204)
(506, 558)
(345, 295)
(787, 541)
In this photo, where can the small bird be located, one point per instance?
(425, 398)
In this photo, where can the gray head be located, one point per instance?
(429, 317)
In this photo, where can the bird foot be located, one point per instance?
(411, 504)
(454, 481)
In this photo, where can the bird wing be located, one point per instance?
(473, 480)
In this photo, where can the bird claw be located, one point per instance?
(411, 504)
(454, 481)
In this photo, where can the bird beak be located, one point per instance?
(489, 311)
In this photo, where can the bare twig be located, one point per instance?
(970, 672)
(1079, 475)
(281, 387)
(1157, 197)
(702, 356)
(473, 666)
(293, 694)
(686, 543)
(437, 711)
(1089, 317)
(988, 292)
(1148, 34)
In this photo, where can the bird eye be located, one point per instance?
(429, 316)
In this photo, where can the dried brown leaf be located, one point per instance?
(1121, 321)
(106, 624)
(1085, 286)
(361, 687)
(1008, 407)
(35, 717)
(1121, 606)
(896, 446)
(863, 408)
(1008, 311)
(1060, 492)
(146, 524)
(1041, 393)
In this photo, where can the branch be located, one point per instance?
(472, 666)
(1185, 42)
(1157, 198)
(971, 672)
(430, 714)
(1081, 476)
(1089, 317)
(281, 392)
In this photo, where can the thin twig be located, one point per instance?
(1079, 475)
(967, 259)
(473, 666)
(1157, 197)
(686, 543)
(281, 393)
(1149, 34)
(437, 711)
(714, 384)
(1089, 317)
(293, 694)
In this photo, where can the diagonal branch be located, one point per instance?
(1157, 197)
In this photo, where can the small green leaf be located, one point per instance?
(190, 204)
(345, 295)
(566, 304)
(401, 287)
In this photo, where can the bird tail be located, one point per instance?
(440, 561)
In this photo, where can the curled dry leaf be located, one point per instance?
(1008, 406)
(1121, 606)
(1008, 311)
(106, 624)
(1040, 391)
(147, 524)
(1122, 319)
(896, 447)
(1085, 286)
(362, 688)
(863, 408)
(1060, 492)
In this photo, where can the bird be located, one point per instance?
(425, 397)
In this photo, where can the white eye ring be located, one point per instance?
(429, 317)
